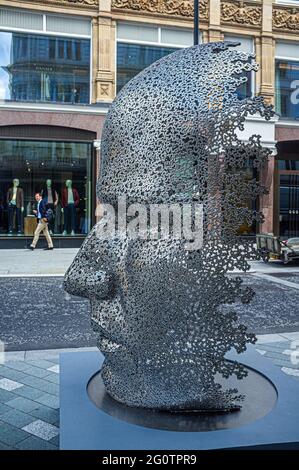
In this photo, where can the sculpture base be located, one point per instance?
(268, 417)
(260, 397)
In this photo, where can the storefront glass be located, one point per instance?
(40, 68)
(61, 171)
(289, 204)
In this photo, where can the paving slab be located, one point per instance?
(37, 400)
(35, 443)
(17, 418)
(42, 429)
(50, 415)
(22, 404)
(38, 262)
(11, 435)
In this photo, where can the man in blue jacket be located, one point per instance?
(42, 226)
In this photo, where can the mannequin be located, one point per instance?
(15, 203)
(50, 195)
(70, 200)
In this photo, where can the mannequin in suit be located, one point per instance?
(70, 201)
(15, 204)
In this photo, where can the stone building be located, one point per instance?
(62, 63)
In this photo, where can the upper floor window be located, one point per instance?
(246, 90)
(287, 80)
(288, 2)
(138, 46)
(49, 65)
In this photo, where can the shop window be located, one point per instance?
(44, 68)
(133, 58)
(289, 205)
(61, 49)
(60, 170)
(139, 45)
(245, 45)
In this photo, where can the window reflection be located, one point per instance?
(45, 69)
(288, 165)
(133, 58)
(245, 90)
(287, 88)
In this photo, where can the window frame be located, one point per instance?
(287, 2)
(286, 59)
(158, 43)
(58, 37)
(56, 34)
(253, 74)
(91, 164)
(147, 43)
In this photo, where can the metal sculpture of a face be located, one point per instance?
(157, 303)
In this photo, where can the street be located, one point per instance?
(37, 314)
(39, 321)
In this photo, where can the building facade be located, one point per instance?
(62, 63)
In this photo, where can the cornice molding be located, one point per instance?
(286, 19)
(183, 8)
(241, 12)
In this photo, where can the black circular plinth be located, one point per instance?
(260, 398)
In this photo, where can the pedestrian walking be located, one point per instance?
(42, 214)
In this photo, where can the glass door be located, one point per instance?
(289, 205)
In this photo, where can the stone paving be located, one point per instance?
(29, 390)
(29, 404)
(36, 263)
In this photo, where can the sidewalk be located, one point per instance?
(36, 263)
(29, 391)
(18, 262)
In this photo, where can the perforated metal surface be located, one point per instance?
(170, 137)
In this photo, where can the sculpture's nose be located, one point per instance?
(90, 273)
(87, 283)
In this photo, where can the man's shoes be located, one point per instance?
(31, 248)
(48, 248)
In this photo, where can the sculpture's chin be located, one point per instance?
(152, 391)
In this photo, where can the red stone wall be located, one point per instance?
(287, 133)
(91, 122)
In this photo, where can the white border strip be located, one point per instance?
(21, 106)
(32, 275)
(276, 280)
